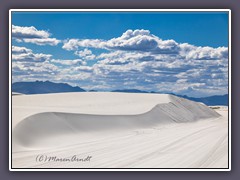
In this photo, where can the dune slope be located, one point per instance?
(169, 130)
(46, 125)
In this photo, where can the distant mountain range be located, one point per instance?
(43, 87)
(211, 100)
(130, 91)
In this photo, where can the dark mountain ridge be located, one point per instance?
(43, 87)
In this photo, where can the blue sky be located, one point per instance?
(179, 52)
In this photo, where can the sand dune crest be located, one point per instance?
(42, 127)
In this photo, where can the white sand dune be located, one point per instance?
(119, 130)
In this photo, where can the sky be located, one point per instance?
(184, 53)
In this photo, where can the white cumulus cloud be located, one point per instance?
(24, 54)
(137, 40)
(32, 35)
(71, 62)
(86, 54)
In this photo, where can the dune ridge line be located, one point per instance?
(43, 126)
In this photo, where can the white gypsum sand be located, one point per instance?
(117, 130)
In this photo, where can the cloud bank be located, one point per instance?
(144, 41)
(137, 59)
